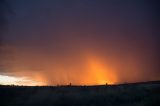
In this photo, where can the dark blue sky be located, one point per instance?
(124, 33)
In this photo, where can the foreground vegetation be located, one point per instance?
(139, 94)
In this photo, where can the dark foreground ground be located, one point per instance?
(138, 94)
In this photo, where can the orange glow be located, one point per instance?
(93, 71)
(98, 73)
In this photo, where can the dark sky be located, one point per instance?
(62, 41)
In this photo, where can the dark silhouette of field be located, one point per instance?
(133, 94)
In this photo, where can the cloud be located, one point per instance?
(55, 42)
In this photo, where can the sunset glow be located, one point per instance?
(95, 72)
(82, 42)
(10, 80)
(98, 72)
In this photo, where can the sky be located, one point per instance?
(83, 42)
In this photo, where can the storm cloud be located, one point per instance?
(83, 41)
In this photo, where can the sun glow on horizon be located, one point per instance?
(95, 71)
(11, 80)
(98, 73)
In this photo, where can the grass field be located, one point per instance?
(135, 94)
